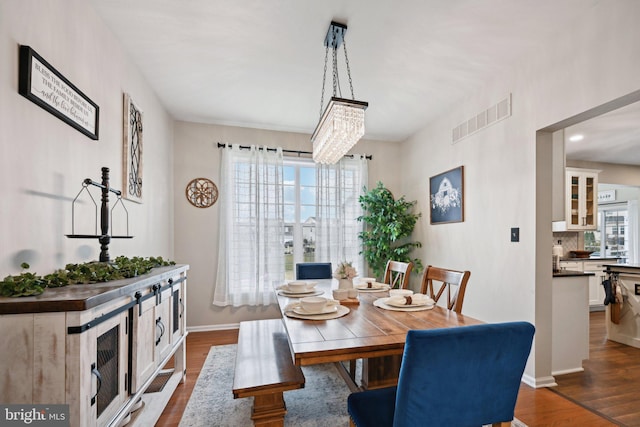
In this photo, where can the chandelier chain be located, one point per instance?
(336, 77)
(324, 78)
(346, 60)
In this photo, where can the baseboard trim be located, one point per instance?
(539, 382)
(567, 371)
(207, 328)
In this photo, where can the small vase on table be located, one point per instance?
(345, 283)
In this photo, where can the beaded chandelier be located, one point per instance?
(341, 124)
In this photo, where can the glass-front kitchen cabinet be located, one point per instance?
(582, 199)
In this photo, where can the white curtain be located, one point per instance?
(337, 207)
(633, 233)
(251, 248)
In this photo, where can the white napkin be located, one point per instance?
(415, 299)
(291, 306)
(374, 285)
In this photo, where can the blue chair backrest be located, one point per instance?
(313, 270)
(464, 376)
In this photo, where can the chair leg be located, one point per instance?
(502, 424)
(351, 423)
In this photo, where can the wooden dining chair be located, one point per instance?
(446, 279)
(461, 376)
(397, 274)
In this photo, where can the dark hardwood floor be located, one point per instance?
(604, 395)
(610, 383)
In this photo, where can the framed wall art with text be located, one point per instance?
(42, 84)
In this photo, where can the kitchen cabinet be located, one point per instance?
(571, 265)
(596, 267)
(97, 347)
(570, 329)
(581, 199)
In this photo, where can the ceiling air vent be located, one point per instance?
(491, 115)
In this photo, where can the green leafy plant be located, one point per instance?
(29, 284)
(388, 226)
(23, 285)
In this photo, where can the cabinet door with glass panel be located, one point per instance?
(582, 199)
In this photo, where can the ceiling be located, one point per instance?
(259, 64)
(613, 137)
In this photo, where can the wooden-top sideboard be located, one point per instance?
(97, 347)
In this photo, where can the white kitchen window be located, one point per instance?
(611, 239)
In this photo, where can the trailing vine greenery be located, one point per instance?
(29, 284)
(389, 223)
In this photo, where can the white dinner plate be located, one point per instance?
(326, 310)
(341, 311)
(375, 287)
(299, 295)
(286, 289)
(405, 305)
(382, 303)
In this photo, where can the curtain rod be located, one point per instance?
(298, 152)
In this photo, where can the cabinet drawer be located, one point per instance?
(571, 265)
(595, 266)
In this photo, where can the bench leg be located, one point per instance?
(269, 410)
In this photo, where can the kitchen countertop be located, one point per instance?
(589, 259)
(571, 273)
(634, 266)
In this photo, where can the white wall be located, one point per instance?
(589, 64)
(43, 161)
(196, 231)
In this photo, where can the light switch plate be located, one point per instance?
(515, 234)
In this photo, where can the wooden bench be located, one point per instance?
(265, 369)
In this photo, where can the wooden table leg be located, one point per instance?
(378, 372)
(269, 410)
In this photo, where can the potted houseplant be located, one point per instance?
(388, 227)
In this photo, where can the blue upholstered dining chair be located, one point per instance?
(463, 376)
(313, 270)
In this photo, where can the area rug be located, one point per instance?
(322, 402)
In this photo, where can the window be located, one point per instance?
(299, 214)
(609, 240)
(321, 208)
(275, 213)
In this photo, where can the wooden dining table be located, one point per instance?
(373, 334)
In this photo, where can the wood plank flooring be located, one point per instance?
(610, 385)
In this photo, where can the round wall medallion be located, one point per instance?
(201, 192)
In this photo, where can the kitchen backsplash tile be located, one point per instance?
(570, 241)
